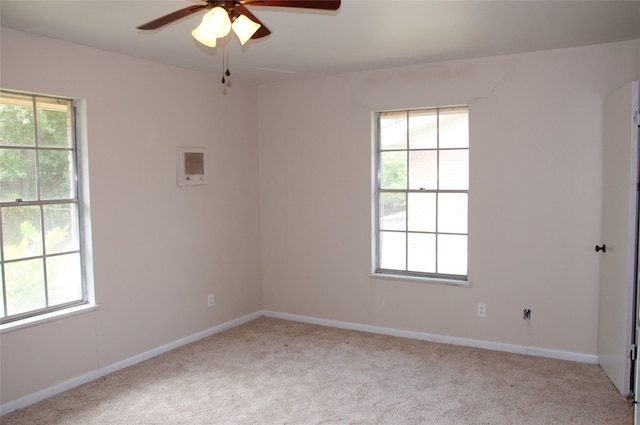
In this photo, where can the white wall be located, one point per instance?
(158, 249)
(535, 195)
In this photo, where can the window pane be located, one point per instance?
(454, 128)
(422, 252)
(393, 170)
(54, 122)
(393, 250)
(393, 130)
(393, 211)
(64, 280)
(422, 190)
(40, 251)
(24, 286)
(17, 175)
(422, 212)
(452, 212)
(454, 169)
(61, 228)
(21, 232)
(423, 129)
(452, 254)
(56, 174)
(16, 121)
(423, 170)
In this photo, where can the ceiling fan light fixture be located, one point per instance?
(203, 36)
(244, 28)
(217, 22)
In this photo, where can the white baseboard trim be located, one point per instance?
(88, 377)
(467, 342)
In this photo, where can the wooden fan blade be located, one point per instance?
(178, 14)
(305, 4)
(262, 31)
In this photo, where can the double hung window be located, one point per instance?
(421, 193)
(41, 267)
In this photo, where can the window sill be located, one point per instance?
(45, 318)
(450, 282)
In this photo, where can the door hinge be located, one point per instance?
(636, 118)
(633, 352)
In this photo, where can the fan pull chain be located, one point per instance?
(226, 53)
(225, 61)
(223, 49)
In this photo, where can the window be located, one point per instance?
(421, 193)
(40, 237)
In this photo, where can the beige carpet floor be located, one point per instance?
(272, 371)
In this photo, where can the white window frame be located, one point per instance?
(86, 301)
(406, 274)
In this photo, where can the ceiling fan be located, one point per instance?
(225, 15)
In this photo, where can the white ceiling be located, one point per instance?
(362, 34)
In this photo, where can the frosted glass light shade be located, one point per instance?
(244, 28)
(203, 36)
(217, 22)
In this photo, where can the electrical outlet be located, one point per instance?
(482, 310)
(210, 300)
(526, 315)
